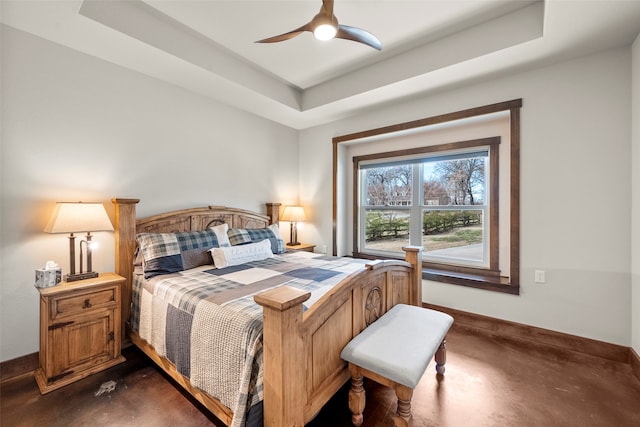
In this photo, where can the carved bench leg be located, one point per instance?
(403, 413)
(441, 357)
(357, 398)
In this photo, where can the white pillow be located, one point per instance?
(221, 235)
(276, 230)
(236, 255)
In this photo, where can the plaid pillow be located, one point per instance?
(165, 253)
(238, 236)
(242, 236)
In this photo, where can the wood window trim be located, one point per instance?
(509, 285)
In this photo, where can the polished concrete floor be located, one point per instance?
(489, 382)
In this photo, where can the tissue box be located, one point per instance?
(47, 278)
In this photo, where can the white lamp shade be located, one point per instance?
(78, 217)
(293, 214)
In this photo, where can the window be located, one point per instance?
(438, 197)
(445, 197)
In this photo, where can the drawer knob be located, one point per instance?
(86, 303)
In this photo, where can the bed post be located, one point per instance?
(125, 245)
(273, 211)
(284, 359)
(413, 255)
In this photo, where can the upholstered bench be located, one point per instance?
(395, 351)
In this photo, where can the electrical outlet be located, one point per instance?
(540, 276)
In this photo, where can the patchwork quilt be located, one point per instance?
(205, 321)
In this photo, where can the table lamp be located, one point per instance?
(293, 214)
(76, 218)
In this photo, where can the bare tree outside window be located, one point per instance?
(463, 180)
(389, 186)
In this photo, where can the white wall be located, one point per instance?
(575, 192)
(77, 128)
(635, 211)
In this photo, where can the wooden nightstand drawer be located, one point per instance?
(72, 303)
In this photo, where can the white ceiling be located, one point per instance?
(207, 46)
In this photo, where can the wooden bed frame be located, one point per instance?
(302, 365)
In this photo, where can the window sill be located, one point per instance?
(470, 280)
(495, 283)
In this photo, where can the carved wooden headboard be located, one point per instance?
(196, 219)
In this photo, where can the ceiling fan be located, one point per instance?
(324, 26)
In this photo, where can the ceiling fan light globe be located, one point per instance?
(325, 32)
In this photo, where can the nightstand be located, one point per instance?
(306, 247)
(79, 330)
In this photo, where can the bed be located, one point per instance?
(294, 358)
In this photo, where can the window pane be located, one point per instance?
(388, 186)
(386, 230)
(453, 234)
(455, 182)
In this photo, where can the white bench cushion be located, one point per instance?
(400, 344)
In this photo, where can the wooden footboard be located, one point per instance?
(302, 365)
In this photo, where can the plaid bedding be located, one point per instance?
(205, 321)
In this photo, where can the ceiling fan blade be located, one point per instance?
(287, 36)
(358, 35)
